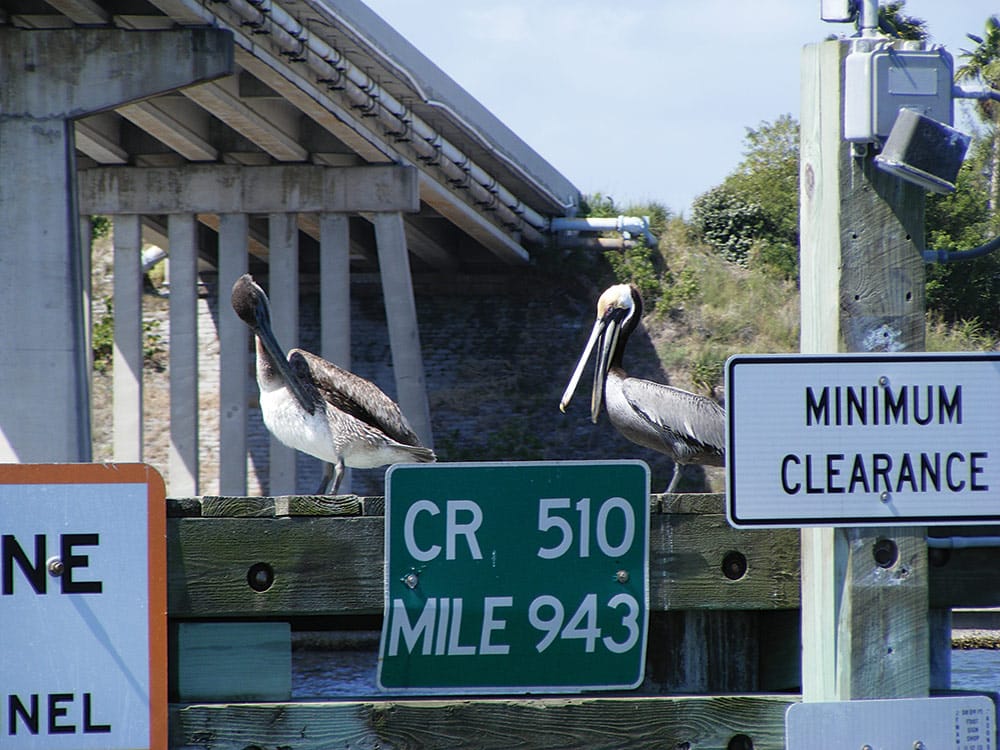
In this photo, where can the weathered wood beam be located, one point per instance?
(674, 722)
(307, 538)
(304, 538)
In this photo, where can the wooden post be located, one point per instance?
(864, 626)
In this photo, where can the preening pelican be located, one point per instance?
(689, 428)
(315, 407)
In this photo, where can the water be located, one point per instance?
(334, 674)
(975, 669)
(340, 674)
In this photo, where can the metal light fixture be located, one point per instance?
(923, 151)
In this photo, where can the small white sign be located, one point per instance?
(863, 439)
(82, 607)
(951, 723)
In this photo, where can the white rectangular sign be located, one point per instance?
(863, 439)
(82, 607)
(965, 722)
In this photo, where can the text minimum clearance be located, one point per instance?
(836, 473)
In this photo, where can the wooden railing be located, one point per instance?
(723, 661)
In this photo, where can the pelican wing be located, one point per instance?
(679, 416)
(353, 395)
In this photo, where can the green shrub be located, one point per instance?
(729, 224)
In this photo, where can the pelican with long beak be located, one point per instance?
(689, 428)
(315, 407)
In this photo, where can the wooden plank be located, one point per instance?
(687, 556)
(211, 542)
(250, 661)
(321, 566)
(284, 505)
(678, 722)
(329, 565)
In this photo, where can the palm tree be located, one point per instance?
(982, 66)
(892, 22)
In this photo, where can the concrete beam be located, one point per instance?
(335, 298)
(283, 291)
(50, 78)
(169, 130)
(401, 317)
(182, 479)
(95, 144)
(242, 118)
(82, 11)
(227, 189)
(127, 408)
(234, 359)
(471, 222)
(68, 73)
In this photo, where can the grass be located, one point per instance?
(963, 336)
(707, 308)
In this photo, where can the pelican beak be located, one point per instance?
(573, 381)
(609, 340)
(273, 350)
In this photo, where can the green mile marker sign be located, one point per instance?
(515, 577)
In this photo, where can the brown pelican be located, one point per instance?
(314, 406)
(687, 427)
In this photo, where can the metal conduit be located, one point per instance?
(962, 542)
(625, 225)
(484, 141)
(366, 95)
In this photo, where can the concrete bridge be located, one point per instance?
(292, 138)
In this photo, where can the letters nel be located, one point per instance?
(25, 714)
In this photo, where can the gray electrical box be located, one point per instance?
(838, 11)
(880, 79)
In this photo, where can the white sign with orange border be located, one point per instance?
(83, 626)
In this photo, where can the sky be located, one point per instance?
(641, 100)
